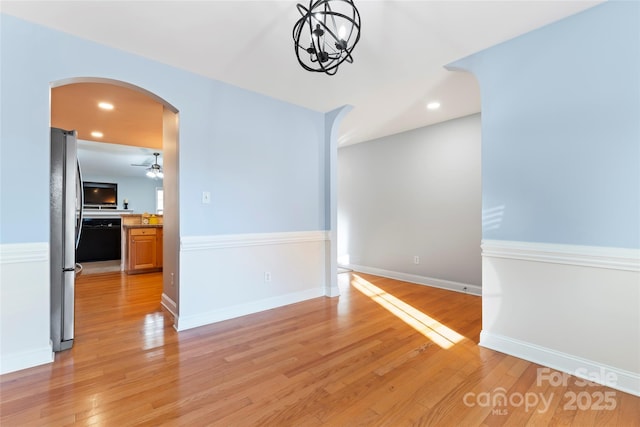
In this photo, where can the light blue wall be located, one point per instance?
(263, 163)
(261, 159)
(561, 131)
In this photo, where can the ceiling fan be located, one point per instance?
(153, 170)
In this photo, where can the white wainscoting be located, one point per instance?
(571, 308)
(24, 306)
(417, 279)
(223, 276)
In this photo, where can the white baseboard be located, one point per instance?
(169, 304)
(332, 292)
(625, 381)
(26, 359)
(420, 280)
(213, 316)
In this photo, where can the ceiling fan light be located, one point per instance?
(155, 170)
(155, 173)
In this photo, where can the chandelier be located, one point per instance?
(155, 170)
(326, 34)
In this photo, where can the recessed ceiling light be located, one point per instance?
(97, 134)
(105, 105)
(433, 105)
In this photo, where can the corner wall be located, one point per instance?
(561, 193)
(416, 193)
(261, 159)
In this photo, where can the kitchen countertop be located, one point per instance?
(105, 213)
(141, 226)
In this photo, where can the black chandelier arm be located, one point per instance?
(308, 17)
(327, 29)
(305, 66)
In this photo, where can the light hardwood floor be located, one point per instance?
(347, 361)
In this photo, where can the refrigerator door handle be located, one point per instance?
(70, 202)
(79, 205)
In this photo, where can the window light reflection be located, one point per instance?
(427, 326)
(153, 331)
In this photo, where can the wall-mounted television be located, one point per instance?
(100, 195)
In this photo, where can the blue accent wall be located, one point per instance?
(561, 131)
(261, 159)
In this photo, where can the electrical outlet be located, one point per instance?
(267, 276)
(206, 197)
(416, 259)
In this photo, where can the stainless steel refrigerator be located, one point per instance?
(66, 222)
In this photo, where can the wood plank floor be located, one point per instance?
(347, 361)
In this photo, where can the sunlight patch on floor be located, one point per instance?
(427, 326)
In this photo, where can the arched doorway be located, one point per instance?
(159, 131)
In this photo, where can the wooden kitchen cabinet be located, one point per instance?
(159, 238)
(142, 249)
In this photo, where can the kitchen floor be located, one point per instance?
(97, 267)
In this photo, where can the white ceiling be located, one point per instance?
(398, 63)
(115, 160)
